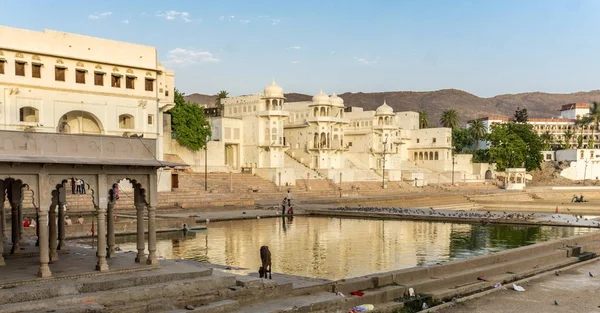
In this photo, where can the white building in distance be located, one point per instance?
(323, 138)
(556, 127)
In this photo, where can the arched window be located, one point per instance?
(431, 155)
(420, 155)
(29, 114)
(316, 141)
(426, 156)
(126, 121)
(323, 143)
(437, 156)
(316, 112)
(415, 156)
(323, 111)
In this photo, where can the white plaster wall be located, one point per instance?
(288, 177)
(164, 180)
(407, 119)
(52, 105)
(67, 44)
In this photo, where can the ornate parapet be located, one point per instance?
(88, 149)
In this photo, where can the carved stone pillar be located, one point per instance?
(62, 244)
(3, 221)
(15, 229)
(53, 237)
(141, 243)
(2, 230)
(102, 266)
(2, 217)
(62, 200)
(21, 226)
(44, 244)
(110, 229)
(37, 229)
(152, 259)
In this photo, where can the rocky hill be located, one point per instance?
(467, 105)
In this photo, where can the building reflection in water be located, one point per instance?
(336, 248)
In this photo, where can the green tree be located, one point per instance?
(220, 96)
(568, 134)
(423, 119)
(521, 115)
(188, 124)
(477, 130)
(514, 144)
(449, 119)
(461, 139)
(481, 156)
(546, 138)
(595, 120)
(581, 123)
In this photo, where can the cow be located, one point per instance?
(265, 258)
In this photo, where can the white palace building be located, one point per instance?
(324, 138)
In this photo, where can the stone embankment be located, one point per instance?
(176, 285)
(458, 216)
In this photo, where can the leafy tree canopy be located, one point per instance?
(514, 144)
(449, 119)
(482, 156)
(461, 139)
(521, 115)
(423, 119)
(188, 124)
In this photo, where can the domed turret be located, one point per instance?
(321, 99)
(273, 91)
(384, 109)
(336, 101)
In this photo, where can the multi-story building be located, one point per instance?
(69, 105)
(284, 141)
(557, 129)
(66, 83)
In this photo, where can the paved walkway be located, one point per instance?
(78, 261)
(574, 291)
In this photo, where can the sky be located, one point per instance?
(485, 47)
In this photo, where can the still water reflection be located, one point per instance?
(336, 248)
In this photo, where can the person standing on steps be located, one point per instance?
(283, 206)
(289, 198)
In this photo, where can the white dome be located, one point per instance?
(321, 99)
(336, 101)
(273, 91)
(384, 109)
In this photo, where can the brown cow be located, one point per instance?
(265, 257)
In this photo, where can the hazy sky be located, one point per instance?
(485, 47)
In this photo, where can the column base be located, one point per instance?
(44, 271)
(102, 267)
(16, 249)
(152, 260)
(62, 247)
(2, 263)
(140, 259)
(53, 256)
(111, 253)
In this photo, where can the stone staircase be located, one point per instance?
(301, 171)
(431, 177)
(361, 171)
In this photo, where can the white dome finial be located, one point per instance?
(273, 91)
